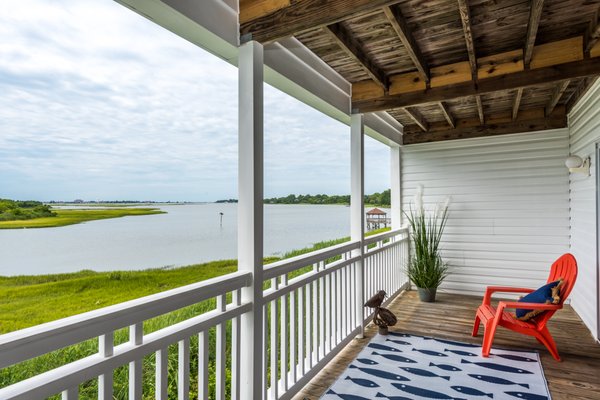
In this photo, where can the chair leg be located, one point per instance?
(546, 339)
(476, 325)
(488, 337)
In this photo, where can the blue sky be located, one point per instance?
(100, 104)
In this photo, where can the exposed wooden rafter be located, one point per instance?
(521, 79)
(594, 32)
(417, 118)
(276, 19)
(465, 17)
(517, 103)
(558, 92)
(535, 14)
(580, 91)
(340, 34)
(396, 19)
(528, 121)
(480, 110)
(447, 114)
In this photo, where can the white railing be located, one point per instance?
(312, 307)
(311, 311)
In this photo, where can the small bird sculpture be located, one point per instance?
(376, 300)
(382, 317)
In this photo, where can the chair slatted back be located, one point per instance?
(566, 268)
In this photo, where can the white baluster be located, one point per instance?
(105, 381)
(162, 372)
(136, 337)
(203, 351)
(220, 353)
(183, 369)
(235, 349)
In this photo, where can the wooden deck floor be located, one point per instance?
(451, 317)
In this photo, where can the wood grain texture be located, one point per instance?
(558, 92)
(417, 117)
(304, 15)
(465, 16)
(517, 103)
(493, 126)
(447, 114)
(451, 317)
(594, 32)
(523, 79)
(398, 23)
(532, 28)
(341, 35)
(480, 110)
(252, 9)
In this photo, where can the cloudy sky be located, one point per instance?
(100, 104)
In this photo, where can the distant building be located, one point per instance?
(376, 219)
(78, 201)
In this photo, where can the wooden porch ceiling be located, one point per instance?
(447, 69)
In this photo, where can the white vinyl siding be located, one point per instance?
(509, 215)
(584, 125)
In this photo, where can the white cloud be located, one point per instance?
(96, 102)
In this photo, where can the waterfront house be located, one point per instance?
(481, 100)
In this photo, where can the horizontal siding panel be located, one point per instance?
(509, 216)
(584, 133)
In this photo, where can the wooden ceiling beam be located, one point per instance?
(535, 14)
(340, 34)
(276, 21)
(396, 19)
(558, 92)
(418, 118)
(517, 103)
(513, 81)
(447, 114)
(594, 32)
(528, 121)
(465, 17)
(480, 110)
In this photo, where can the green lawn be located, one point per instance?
(70, 217)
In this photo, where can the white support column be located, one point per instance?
(357, 206)
(396, 186)
(250, 214)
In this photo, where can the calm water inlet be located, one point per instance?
(187, 234)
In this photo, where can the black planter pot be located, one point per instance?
(427, 295)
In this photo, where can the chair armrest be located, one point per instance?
(505, 289)
(529, 306)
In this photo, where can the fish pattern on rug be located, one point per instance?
(409, 367)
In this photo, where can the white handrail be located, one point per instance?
(291, 264)
(385, 235)
(32, 342)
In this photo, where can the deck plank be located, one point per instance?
(451, 317)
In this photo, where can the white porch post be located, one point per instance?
(357, 207)
(396, 186)
(250, 214)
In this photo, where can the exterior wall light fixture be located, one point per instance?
(578, 165)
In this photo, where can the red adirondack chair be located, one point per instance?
(566, 268)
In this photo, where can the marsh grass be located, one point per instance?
(70, 217)
(31, 300)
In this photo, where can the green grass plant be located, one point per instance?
(72, 216)
(31, 300)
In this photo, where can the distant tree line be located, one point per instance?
(379, 199)
(13, 210)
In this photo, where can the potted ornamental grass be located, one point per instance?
(426, 269)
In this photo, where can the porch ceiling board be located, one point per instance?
(449, 61)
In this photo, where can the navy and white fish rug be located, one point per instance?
(408, 367)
